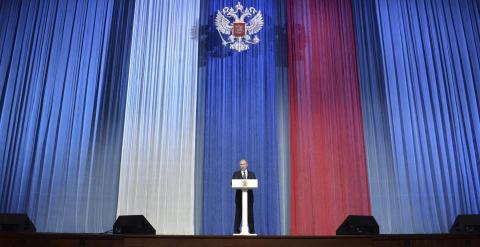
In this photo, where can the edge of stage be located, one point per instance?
(69, 239)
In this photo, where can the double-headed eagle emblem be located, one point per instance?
(238, 35)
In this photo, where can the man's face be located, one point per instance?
(243, 165)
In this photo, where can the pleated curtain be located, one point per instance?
(158, 153)
(419, 70)
(63, 84)
(113, 107)
(242, 95)
(329, 170)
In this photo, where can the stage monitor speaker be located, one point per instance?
(16, 223)
(133, 224)
(358, 225)
(466, 224)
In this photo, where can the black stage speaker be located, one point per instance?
(466, 224)
(358, 225)
(16, 223)
(133, 224)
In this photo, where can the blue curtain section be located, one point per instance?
(384, 194)
(240, 117)
(63, 82)
(419, 70)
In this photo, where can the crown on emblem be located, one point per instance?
(238, 27)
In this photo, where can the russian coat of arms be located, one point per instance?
(243, 31)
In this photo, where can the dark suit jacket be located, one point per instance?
(238, 193)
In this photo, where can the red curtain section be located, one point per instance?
(328, 170)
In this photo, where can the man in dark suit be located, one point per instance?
(243, 174)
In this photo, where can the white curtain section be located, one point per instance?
(157, 168)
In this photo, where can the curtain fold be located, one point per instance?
(240, 119)
(420, 96)
(62, 106)
(157, 165)
(282, 114)
(112, 107)
(328, 166)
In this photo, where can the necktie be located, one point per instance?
(243, 174)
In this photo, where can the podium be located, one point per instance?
(244, 185)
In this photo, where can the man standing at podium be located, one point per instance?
(243, 174)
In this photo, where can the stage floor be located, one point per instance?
(81, 240)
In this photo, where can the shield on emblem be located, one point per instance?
(239, 29)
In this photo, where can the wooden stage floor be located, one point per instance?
(81, 240)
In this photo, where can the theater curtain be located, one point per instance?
(283, 114)
(328, 171)
(419, 68)
(157, 168)
(239, 119)
(62, 87)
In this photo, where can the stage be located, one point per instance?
(330, 108)
(66, 239)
